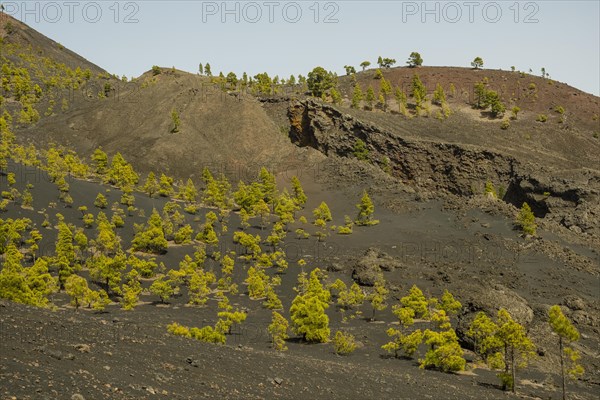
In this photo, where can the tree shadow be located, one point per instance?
(490, 116)
(489, 385)
(297, 340)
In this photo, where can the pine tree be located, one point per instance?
(199, 286)
(107, 270)
(449, 304)
(402, 341)
(121, 173)
(257, 282)
(76, 287)
(415, 60)
(365, 211)
(518, 348)
(477, 63)
(278, 329)
(152, 238)
(183, 235)
(439, 96)
(480, 95)
(151, 186)
(385, 88)
(526, 220)
(65, 257)
(322, 213)
(483, 332)
(308, 311)
(106, 242)
(96, 299)
(100, 161)
(401, 100)
(164, 287)
(298, 192)
(208, 235)
(30, 285)
(34, 239)
(131, 290)
(357, 96)
(360, 150)
(272, 301)
(444, 353)
(262, 210)
(417, 302)
(567, 334)
(419, 92)
(165, 186)
(101, 201)
(350, 299)
(309, 318)
(370, 97)
(267, 185)
(378, 298)
(189, 192)
(227, 264)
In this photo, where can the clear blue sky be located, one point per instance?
(562, 36)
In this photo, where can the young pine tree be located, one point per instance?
(76, 287)
(518, 348)
(378, 298)
(526, 220)
(308, 311)
(567, 334)
(278, 329)
(357, 96)
(151, 186)
(365, 211)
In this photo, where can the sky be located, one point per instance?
(292, 37)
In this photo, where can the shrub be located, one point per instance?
(208, 334)
(505, 125)
(175, 121)
(345, 230)
(542, 118)
(156, 70)
(515, 111)
(360, 150)
(178, 330)
(344, 343)
(9, 27)
(490, 190)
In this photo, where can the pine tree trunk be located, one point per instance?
(506, 366)
(512, 365)
(562, 367)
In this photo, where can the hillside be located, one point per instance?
(15, 32)
(162, 223)
(220, 131)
